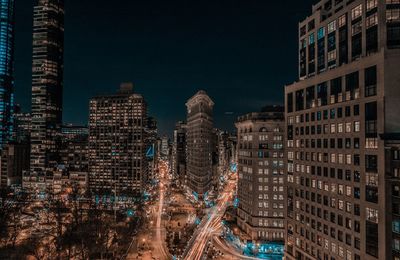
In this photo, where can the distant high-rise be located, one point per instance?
(47, 82)
(151, 143)
(339, 199)
(14, 160)
(117, 142)
(165, 147)
(261, 185)
(74, 151)
(22, 126)
(200, 143)
(6, 70)
(178, 165)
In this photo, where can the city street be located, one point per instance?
(211, 224)
(150, 243)
(229, 251)
(160, 247)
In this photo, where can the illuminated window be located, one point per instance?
(342, 21)
(356, 12)
(332, 27)
(321, 33)
(372, 215)
(371, 4)
(372, 20)
(393, 15)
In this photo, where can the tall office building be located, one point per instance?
(178, 165)
(47, 83)
(22, 126)
(346, 98)
(225, 156)
(165, 147)
(261, 185)
(392, 176)
(151, 143)
(117, 142)
(74, 132)
(200, 137)
(74, 148)
(14, 160)
(152, 130)
(6, 71)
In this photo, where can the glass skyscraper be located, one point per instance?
(47, 83)
(6, 70)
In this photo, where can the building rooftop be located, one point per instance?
(267, 113)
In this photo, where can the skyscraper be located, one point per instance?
(200, 147)
(22, 126)
(151, 143)
(261, 185)
(336, 114)
(47, 82)
(178, 165)
(117, 142)
(6, 71)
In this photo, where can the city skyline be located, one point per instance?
(219, 47)
(265, 161)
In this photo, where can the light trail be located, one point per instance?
(160, 247)
(211, 226)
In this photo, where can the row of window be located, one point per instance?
(332, 143)
(326, 114)
(316, 96)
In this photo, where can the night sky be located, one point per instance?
(242, 52)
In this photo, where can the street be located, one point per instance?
(151, 242)
(211, 224)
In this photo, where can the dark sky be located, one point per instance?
(241, 52)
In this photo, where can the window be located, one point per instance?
(372, 238)
(370, 81)
(357, 176)
(348, 159)
(332, 27)
(342, 20)
(356, 28)
(372, 33)
(393, 35)
(396, 244)
(371, 143)
(332, 113)
(372, 215)
(356, 110)
(321, 33)
(371, 4)
(303, 31)
(332, 56)
(392, 15)
(348, 127)
(352, 83)
(357, 126)
(372, 20)
(371, 163)
(396, 173)
(356, 46)
(396, 155)
(356, 143)
(371, 178)
(356, 12)
(311, 25)
(333, 128)
(340, 128)
(311, 39)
